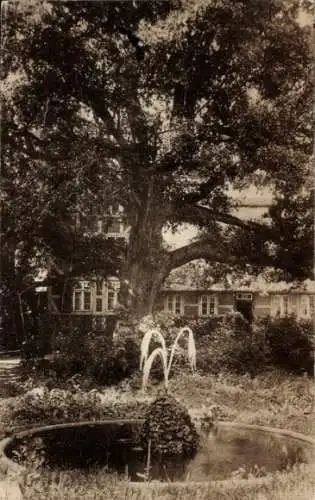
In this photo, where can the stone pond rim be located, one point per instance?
(9, 467)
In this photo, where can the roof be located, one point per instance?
(259, 285)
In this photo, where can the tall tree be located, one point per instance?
(164, 106)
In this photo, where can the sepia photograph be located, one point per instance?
(157, 250)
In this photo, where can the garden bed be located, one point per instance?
(272, 399)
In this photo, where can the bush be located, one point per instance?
(235, 346)
(119, 362)
(91, 354)
(291, 343)
(232, 346)
(41, 406)
(169, 428)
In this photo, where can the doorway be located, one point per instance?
(244, 305)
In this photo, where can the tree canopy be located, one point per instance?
(162, 106)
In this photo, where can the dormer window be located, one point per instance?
(113, 227)
(108, 222)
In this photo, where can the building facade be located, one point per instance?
(99, 298)
(275, 300)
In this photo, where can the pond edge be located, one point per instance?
(9, 467)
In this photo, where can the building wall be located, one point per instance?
(101, 298)
(189, 303)
(97, 298)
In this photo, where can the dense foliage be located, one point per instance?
(41, 406)
(169, 429)
(234, 346)
(291, 344)
(218, 97)
(86, 353)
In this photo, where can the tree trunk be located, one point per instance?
(140, 287)
(146, 263)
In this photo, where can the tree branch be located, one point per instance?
(200, 250)
(96, 100)
(218, 252)
(202, 215)
(137, 120)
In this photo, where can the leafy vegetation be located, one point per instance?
(273, 398)
(41, 406)
(169, 429)
(290, 343)
(87, 354)
(220, 99)
(234, 346)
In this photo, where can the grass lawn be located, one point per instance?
(274, 399)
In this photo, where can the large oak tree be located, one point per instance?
(162, 106)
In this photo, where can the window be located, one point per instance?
(211, 306)
(111, 300)
(112, 226)
(77, 301)
(170, 303)
(177, 304)
(305, 306)
(94, 298)
(276, 305)
(99, 304)
(87, 300)
(280, 306)
(208, 305)
(285, 305)
(99, 296)
(204, 305)
(82, 297)
(174, 304)
(311, 306)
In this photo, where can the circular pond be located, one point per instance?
(231, 449)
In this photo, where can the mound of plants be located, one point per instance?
(290, 343)
(91, 354)
(232, 346)
(237, 347)
(41, 406)
(169, 429)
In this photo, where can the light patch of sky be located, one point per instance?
(305, 18)
(253, 204)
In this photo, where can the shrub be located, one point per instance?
(41, 406)
(89, 353)
(169, 428)
(291, 343)
(117, 363)
(233, 345)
